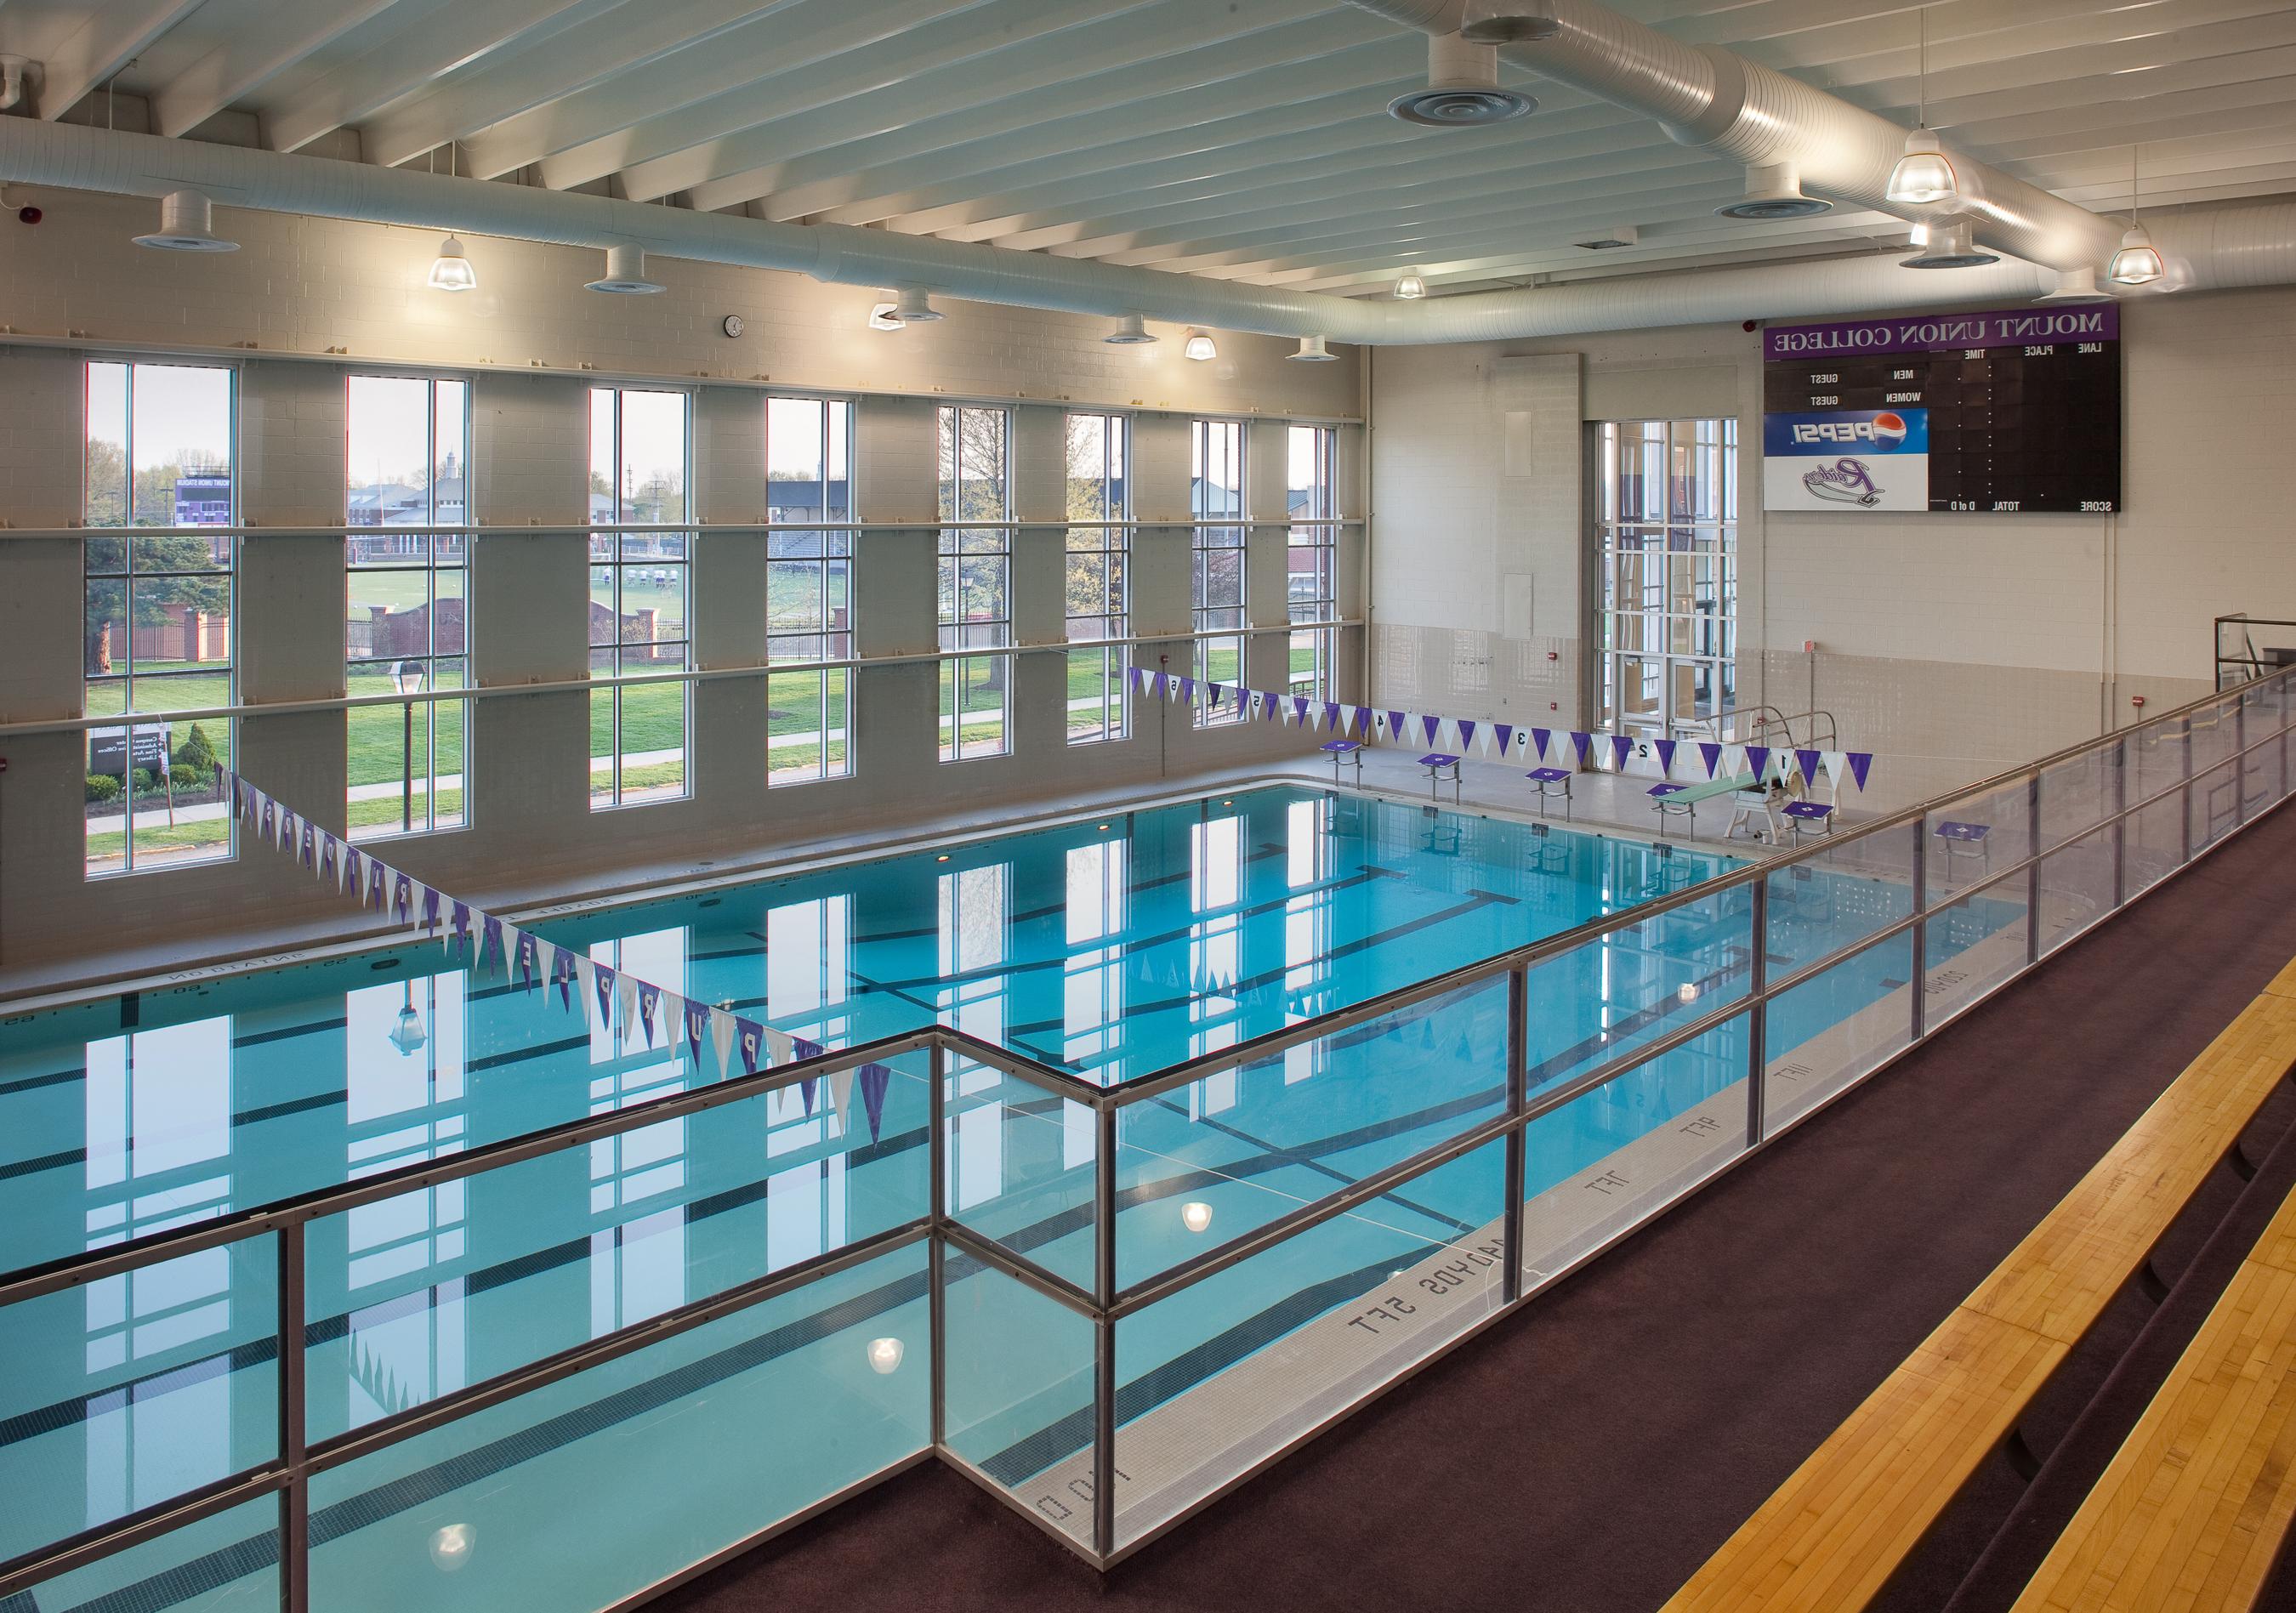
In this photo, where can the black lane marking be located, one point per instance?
(256, 1038)
(25, 1083)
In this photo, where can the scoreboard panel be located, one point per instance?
(2015, 410)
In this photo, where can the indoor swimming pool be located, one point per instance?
(482, 1417)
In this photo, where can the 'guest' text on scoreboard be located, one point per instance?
(2013, 410)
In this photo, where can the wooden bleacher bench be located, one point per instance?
(1829, 1538)
(2192, 1511)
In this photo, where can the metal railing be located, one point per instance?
(2220, 762)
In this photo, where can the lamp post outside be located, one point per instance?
(408, 676)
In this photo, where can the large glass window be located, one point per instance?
(407, 455)
(1098, 580)
(158, 635)
(809, 588)
(1311, 586)
(1215, 499)
(1666, 589)
(640, 447)
(976, 583)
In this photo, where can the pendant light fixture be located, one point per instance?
(1200, 346)
(1923, 175)
(2138, 261)
(1132, 332)
(451, 270)
(1410, 287)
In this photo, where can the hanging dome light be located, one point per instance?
(2137, 263)
(624, 273)
(885, 316)
(915, 307)
(187, 224)
(1132, 331)
(1312, 351)
(451, 270)
(1200, 346)
(1410, 287)
(1951, 247)
(1923, 175)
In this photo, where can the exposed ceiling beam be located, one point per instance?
(286, 32)
(394, 68)
(111, 39)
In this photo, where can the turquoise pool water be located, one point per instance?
(1110, 949)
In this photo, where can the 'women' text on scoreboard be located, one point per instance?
(2013, 410)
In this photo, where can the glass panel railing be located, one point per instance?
(1019, 1169)
(140, 1386)
(2215, 730)
(1615, 992)
(1974, 837)
(1227, 1372)
(1829, 899)
(1201, 1165)
(2076, 886)
(2079, 793)
(2213, 804)
(578, 1494)
(429, 1292)
(2155, 755)
(2152, 843)
(1970, 946)
(1019, 1396)
(226, 1563)
(1615, 1155)
(1836, 1028)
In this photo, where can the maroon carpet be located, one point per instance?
(1590, 1452)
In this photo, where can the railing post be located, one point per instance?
(1757, 1011)
(2033, 872)
(1103, 1436)
(1518, 1074)
(2120, 823)
(1920, 931)
(937, 1246)
(295, 1494)
(2184, 802)
(2240, 758)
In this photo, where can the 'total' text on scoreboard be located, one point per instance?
(2013, 410)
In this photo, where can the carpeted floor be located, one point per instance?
(1590, 1452)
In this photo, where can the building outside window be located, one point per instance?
(640, 444)
(1311, 586)
(1666, 589)
(809, 588)
(159, 453)
(976, 577)
(1215, 500)
(407, 629)
(1098, 576)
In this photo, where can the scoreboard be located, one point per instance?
(2014, 410)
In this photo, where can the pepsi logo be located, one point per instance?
(1889, 429)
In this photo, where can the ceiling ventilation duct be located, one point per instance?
(1313, 351)
(1773, 192)
(1133, 333)
(1462, 88)
(626, 275)
(1610, 239)
(1507, 22)
(187, 224)
(915, 308)
(1950, 248)
(2076, 285)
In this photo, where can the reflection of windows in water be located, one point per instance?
(637, 1256)
(159, 1136)
(1307, 925)
(808, 968)
(1092, 984)
(408, 1330)
(1216, 937)
(975, 910)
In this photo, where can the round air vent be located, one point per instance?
(1460, 109)
(1951, 247)
(1774, 191)
(187, 224)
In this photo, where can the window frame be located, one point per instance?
(618, 561)
(832, 546)
(1219, 532)
(428, 566)
(126, 576)
(968, 547)
(1318, 527)
(1682, 551)
(1106, 539)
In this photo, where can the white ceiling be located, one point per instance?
(1242, 139)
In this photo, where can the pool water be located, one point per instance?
(1110, 949)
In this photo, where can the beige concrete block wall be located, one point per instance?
(1952, 645)
(297, 288)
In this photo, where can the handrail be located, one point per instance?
(696, 528)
